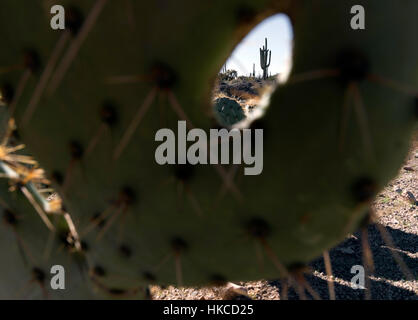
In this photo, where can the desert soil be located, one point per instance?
(396, 208)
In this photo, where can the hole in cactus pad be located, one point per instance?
(249, 76)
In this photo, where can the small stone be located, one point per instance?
(235, 292)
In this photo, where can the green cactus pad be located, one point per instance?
(179, 224)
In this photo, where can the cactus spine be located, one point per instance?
(265, 59)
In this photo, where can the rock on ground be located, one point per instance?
(396, 209)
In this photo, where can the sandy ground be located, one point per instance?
(396, 208)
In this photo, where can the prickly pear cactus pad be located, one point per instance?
(89, 100)
(228, 111)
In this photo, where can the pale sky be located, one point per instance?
(278, 31)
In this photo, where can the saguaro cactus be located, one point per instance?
(265, 59)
